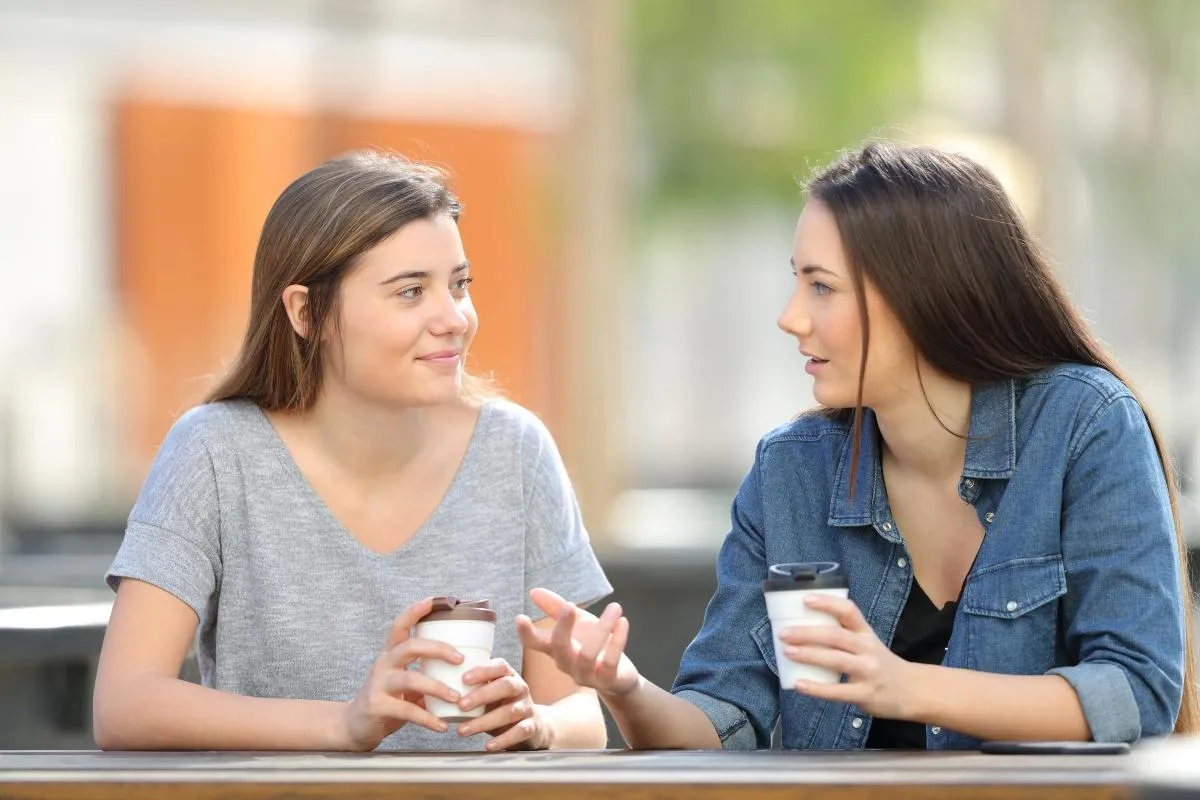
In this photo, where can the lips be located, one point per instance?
(813, 358)
(442, 355)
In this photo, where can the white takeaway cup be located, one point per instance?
(467, 626)
(784, 589)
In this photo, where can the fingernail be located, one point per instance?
(491, 746)
(442, 727)
(454, 696)
(465, 730)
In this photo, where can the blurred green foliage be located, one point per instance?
(735, 97)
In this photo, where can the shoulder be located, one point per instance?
(507, 423)
(1074, 404)
(815, 428)
(210, 427)
(1074, 395)
(1078, 382)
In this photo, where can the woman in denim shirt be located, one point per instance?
(998, 498)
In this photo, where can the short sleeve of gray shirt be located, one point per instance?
(291, 605)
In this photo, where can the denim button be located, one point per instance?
(887, 526)
(1012, 605)
(936, 731)
(856, 722)
(902, 563)
(969, 483)
(989, 516)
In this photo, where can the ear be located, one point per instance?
(295, 303)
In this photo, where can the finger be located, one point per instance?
(837, 661)
(564, 647)
(615, 648)
(593, 641)
(487, 672)
(409, 651)
(837, 692)
(532, 638)
(389, 707)
(834, 636)
(402, 682)
(518, 734)
(502, 690)
(498, 718)
(549, 602)
(843, 610)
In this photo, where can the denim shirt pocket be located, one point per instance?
(1011, 615)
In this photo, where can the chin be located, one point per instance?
(831, 397)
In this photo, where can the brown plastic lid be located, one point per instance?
(451, 608)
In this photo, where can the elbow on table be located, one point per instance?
(114, 726)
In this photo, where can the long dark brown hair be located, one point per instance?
(952, 257)
(312, 236)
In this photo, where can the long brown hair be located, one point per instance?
(312, 236)
(952, 257)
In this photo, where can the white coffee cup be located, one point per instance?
(784, 590)
(468, 627)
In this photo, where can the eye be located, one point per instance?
(820, 288)
(411, 293)
(461, 284)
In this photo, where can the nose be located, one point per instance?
(795, 319)
(449, 316)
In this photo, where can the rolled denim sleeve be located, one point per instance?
(1123, 612)
(723, 671)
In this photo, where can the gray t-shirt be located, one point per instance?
(291, 605)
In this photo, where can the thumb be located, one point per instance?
(404, 623)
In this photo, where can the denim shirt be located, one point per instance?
(1078, 574)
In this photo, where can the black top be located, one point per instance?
(922, 635)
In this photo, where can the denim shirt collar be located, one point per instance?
(991, 453)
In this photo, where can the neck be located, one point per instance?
(367, 439)
(924, 433)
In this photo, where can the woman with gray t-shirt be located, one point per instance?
(344, 472)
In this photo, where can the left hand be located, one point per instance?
(511, 716)
(876, 678)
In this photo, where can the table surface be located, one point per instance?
(691, 774)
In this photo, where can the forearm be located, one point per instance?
(651, 718)
(160, 713)
(576, 722)
(989, 706)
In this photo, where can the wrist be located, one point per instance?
(622, 699)
(545, 727)
(335, 727)
(914, 694)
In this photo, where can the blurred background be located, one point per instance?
(629, 170)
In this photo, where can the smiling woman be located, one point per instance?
(346, 471)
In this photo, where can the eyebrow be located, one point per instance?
(809, 269)
(423, 274)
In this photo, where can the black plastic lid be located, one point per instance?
(811, 575)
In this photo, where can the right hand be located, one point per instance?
(590, 649)
(393, 695)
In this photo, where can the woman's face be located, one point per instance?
(823, 315)
(405, 319)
